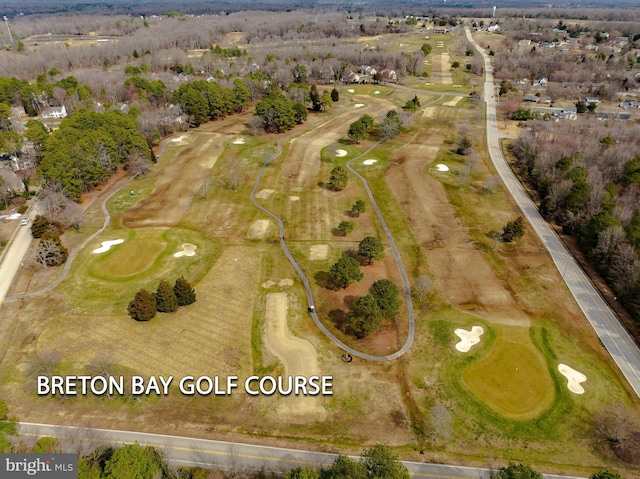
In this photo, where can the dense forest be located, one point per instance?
(588, 175)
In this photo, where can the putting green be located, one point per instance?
(513, 380)
(133, 257)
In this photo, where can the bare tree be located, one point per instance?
(617, 429)
(608, 241)
(424, 288)
(625, 268)
(73, 215)
(53, 200)
(139, 165)
(234, 173)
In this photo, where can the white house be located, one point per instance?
(54, 112)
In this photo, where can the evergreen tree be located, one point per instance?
(386, 295)
(358, 207)
(370, 248)
(346, 271)
(513, 230)
(184, 292)
(335, 96)
(338, 179)
(40, 226)
(166, 300)
(345, 227)
(143, 307)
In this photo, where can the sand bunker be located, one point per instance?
(179, 139)
(294, 198)
(341, 152)
(369, 162)
(238, 141)
(441, 167)
(258, 229)
(264, 194)
(454, 101)
(377, 92)
(574, 378)
(106, 246)
(188, 249)
(267, 284)
(359, 105)
(285, 282)
(351, 90)
(319, 251)
(13, 216)
(468, 338)
(429, 112)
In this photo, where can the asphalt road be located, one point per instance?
(614, 337)
(14, 254)
(185, 451)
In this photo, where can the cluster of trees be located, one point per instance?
(377, 462)
(166, 299)
(359, 129)
(513, 230)
(346, 227)
(382, 303)
(587, 178)
(338, 179)
(88, 148)
(278, 113)
(205, 101)
(388, 127)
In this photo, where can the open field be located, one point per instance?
(504, 394)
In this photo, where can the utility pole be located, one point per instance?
(6, 20)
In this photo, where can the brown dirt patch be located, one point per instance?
(178, 183)
(440, 69)
(298, 356)
(258, 229)
(465, 278)
(319, 252)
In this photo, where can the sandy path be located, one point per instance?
(178, 184)
(297, 355)
(464, 276)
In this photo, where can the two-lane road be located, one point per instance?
(614, 337)
(14, 254)
(185, 451)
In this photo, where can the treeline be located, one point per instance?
(588, 177)
(88, 148)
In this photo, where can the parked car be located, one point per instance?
(25, 221)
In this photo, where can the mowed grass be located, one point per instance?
(131, 258)
(211, 336)
(514, 380)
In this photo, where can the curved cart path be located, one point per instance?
(396, 253)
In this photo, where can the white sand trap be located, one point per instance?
(285, 282)
(441, 167)
(468, 338)
(264, 194)
(294, 198)
(358, 105)
(238, 141)
(574, 378)
(14, 216)
(369, 162)
(341, 152)
(258, 229)
(453, 102)
(377, 92)
(176, 140)
(106, 246)
(351, 90)
(188, 249)
(319, 251)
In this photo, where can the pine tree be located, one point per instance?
(143, 306)
(166, 300)
(184, 292)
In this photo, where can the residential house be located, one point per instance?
(531, 98)
(387, 75)
(541, 83)
(438, 30)
(493, 28)
(349, 76)
(54, 112)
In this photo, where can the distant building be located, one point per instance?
(388, 75)
(440, 30)
(531, 98)
(493, 28)
(54, 112)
